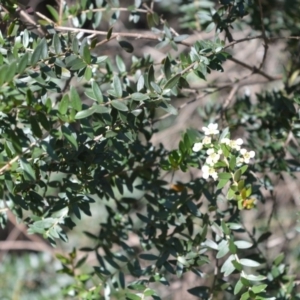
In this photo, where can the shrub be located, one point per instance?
(81, 113)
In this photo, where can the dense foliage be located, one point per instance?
(79, 114)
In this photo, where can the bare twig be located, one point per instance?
(26, 245)
(255, 70)
(263, 34)
(141, 35)
(243, 40)
(61, 8)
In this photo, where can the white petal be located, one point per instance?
(251, 154)
(225, 141)
(210, 151)
(239, 141)
(197, 147)
(205, 169)
(213, 126)
(243, 151)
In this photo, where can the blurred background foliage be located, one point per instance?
(115, 107)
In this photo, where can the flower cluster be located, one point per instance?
(219, 151)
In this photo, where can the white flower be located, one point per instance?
(206, 140)
(247, 155)
(211, 129)
(225, 141)
(197, 147)
(236, 144)
(213, 157)
(209, 171)
(210, 151)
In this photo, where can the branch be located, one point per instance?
(255, 70)
(143, 35)
(263, 34)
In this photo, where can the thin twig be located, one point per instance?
(61, 8)
(144, 35)
(263, 34)
(125, 9)
(242, 40)
(255, 70)
(26, 245)
(30, 21)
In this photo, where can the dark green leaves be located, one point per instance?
(119, 105)
(172, 82)
(28, 171)
(117, 85)
(126, 46)
(139, 97)
(75, 100)
(40, 52)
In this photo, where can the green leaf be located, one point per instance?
(35, 127)
(150, 78)
(140, 83)
(210, 27)
(57, 43)
(254, 277)
(126, 46)
(202, 292)
(25, 39)
(139, 97)
(222, 183)
(63, 105)
(231, 194)
(243, 169)
(172, 82)
(131, 296)
(28, 171)
(117, 87)
(40, 52)
(156, 87)
(11, 72)
(167, 68)
(23, 61)
(245, 296)
(88, 73)
(97, 92)
(211, 244)
(109, 32)
(225, 228)
(243, 244)
(238, 287)
(224, 175)
(228, 267)
(237, 175)
(120, 64)
(70, 137)
(278, 260)
(256, 289)
(86, 113)
(264, 237)
(223, 249)
(119, 105)
(53, 12)
(75, 100)
(148, 257)
(149, 292)
(249, 262)
(168, 108)
(232, 163)
(86, 54)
